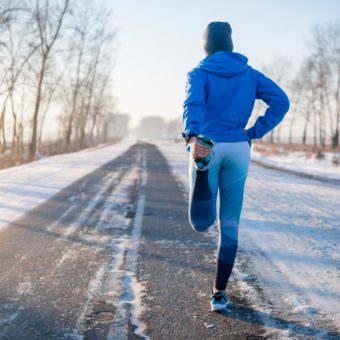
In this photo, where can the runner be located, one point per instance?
(220, 96)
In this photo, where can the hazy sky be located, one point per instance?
(160, 41)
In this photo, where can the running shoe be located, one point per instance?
(201, 163)
(219, 301)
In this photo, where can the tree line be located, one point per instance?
(57, 59)
(313, 89)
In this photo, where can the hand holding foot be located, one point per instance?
(197, 149)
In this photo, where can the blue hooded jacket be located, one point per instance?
(220, 97)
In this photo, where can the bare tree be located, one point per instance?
(54, 55)
(333, 44)
(18, 50)
(92, 72)
(79, 39)
(296, 89)
(101, 97)
(48, 21)
(325, 83)
(280, 71)
(51, 90)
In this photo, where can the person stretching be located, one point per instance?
(220, 96)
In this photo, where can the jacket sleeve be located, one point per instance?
(194, 103)
(278, 103)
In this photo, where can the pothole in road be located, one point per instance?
(104, 317)
(102, 306)
(102, 313)
(99, 321)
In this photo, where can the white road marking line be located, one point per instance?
(132, 287)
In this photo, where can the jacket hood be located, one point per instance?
(224, 63)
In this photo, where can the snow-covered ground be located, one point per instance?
(290, 227)
(24, 187)
(290, 231)
(297, 161)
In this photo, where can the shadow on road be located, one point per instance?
(249, 314)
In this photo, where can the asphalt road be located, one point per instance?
(77, 266)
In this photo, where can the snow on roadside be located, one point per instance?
(297, 161)
(24, 187)
(290, 228)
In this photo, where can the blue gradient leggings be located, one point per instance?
(220, 189)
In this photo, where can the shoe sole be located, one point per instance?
(220, 308)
